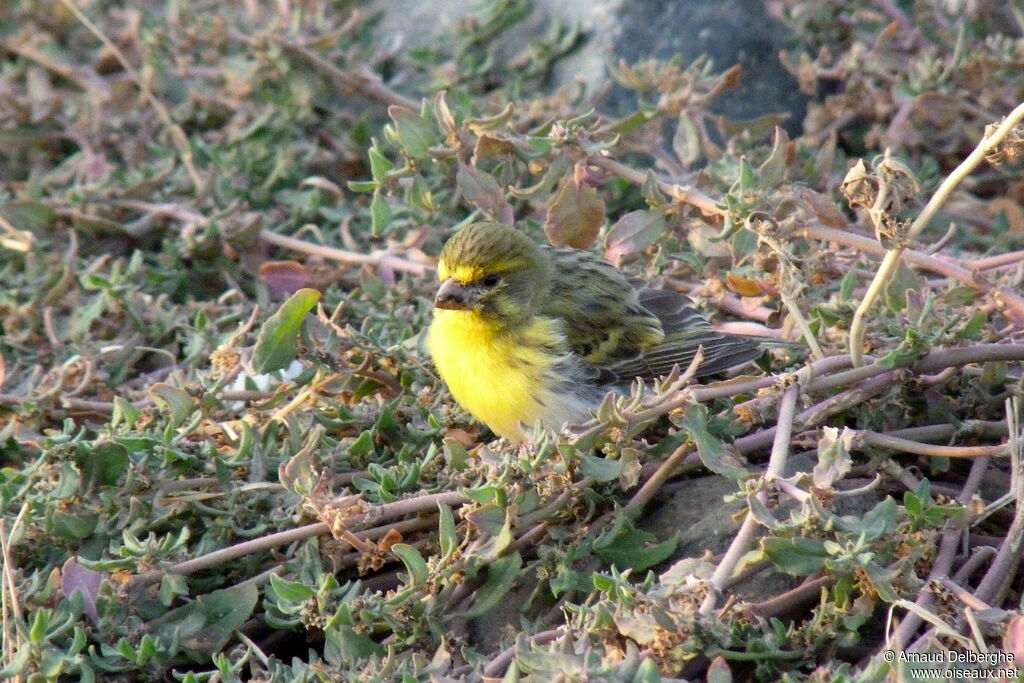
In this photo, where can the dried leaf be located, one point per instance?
(859, 186)
(937, 110)
(825, 159)
(443, 115)
(822, 206)
(492, 146)
(743, 286)
(834, 460)
(491, 124)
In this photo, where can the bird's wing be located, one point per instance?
(624, 333)
(601, 313)
(685, 331)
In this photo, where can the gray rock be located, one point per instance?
(728, 31)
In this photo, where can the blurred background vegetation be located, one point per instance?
(225, 455)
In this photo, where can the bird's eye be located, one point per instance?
(490, 280)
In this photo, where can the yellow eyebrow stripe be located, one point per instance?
(460, 273)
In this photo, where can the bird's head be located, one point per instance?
(494, 271)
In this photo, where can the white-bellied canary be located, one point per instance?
(525, 333)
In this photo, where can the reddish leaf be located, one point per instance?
(87, 581)
(1013, 641)
(284, 278)
(823, 207)
(574, 215)
(482, 191)
(632, 233)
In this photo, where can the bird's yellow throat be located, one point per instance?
(497, 374)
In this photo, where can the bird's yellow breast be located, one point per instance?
(498, 375)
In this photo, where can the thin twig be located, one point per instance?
(1013, 258)
(776, 467)
(387, 511)
(683, 195)
(869, 438)
(892, 257)
(378, 258)
(786, 602)
(361, 80)
(1005, 297)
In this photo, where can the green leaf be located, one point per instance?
(205, 626)
(797, 556)
(488, 518)
(880, 520)
(415, 134)
(902, 280)
(380, 214)
(743, 244)
(363, 186)
(847, 285)
(575, 214)
(630, 123)
(124, 413)
(343, 646)
(632, 233)
(651, 191)
(686, 140)
(747, 179)
(414, 562)
(600, 469)
(501, 575)
(178, 401)
(28, 215)
(379, 164)
(632, 548)
(171, 587)
(973, 327)
(881, 580)
(491, 124)
(291, 591)
(909, 350)
(486, 494)
(715, 456)
(447, 534)
(106, 464)
(773, 170)
(719, 671)
(276, 343)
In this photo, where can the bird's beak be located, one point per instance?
(452, 295)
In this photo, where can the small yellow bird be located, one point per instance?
(525, 333)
